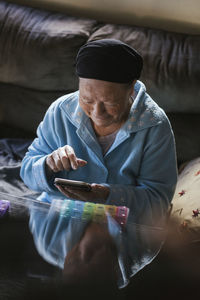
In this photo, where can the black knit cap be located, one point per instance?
(109, 60)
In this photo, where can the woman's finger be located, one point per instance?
(64, 158)
(57, 160)
(71, 156)
(81, 162)
(51, 163)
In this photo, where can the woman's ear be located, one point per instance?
(132, 87)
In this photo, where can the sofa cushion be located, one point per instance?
(24, 108)
(186, 201)
(171, 64)
(38, 48)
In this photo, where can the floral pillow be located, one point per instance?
(186, 201)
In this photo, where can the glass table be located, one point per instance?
(59, 227)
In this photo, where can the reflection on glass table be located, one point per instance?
(88, 241)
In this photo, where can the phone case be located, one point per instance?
(73, 183)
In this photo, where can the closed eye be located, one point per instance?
(86, 101)
(110, 104)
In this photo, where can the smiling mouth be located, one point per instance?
(100, 118)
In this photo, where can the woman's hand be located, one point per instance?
(64, 158)
(99, 193)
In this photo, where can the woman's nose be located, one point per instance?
(98, 109)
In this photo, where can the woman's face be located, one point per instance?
(105, 103)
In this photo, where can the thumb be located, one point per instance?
(81, 162)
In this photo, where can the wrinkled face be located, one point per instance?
(105, 103)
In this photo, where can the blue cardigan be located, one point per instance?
(139, 169)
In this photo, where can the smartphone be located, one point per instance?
(81, 185)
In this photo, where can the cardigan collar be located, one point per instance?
(144, 111)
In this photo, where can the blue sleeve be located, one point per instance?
(33, 170)
(149, 199)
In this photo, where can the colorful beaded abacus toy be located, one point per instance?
(86, 211)
(96, 212)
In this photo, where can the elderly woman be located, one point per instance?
(110, 133)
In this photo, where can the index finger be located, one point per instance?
(71, 156)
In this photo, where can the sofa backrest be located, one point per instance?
(38, 50)
(171, 15)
